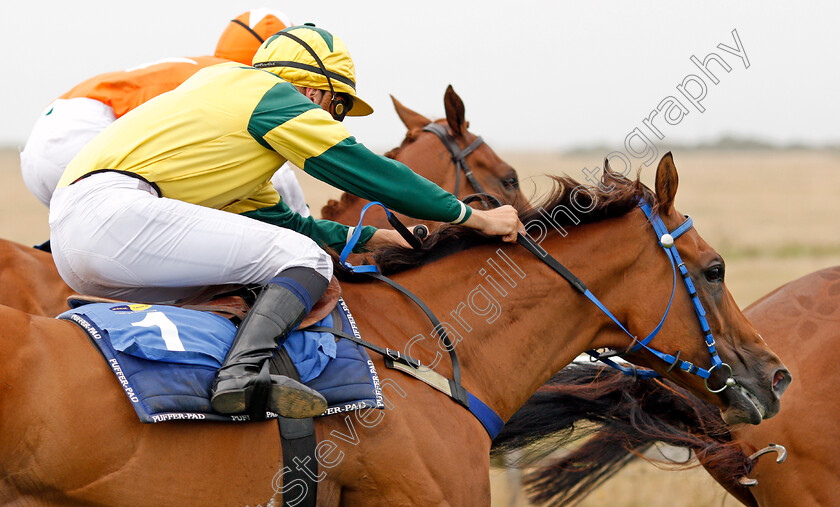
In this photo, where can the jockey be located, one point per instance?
(175, 197)
(72, 120)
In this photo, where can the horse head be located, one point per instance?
(748, 379)
(444, 152)
(492, 174)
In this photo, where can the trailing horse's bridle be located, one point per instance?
(459, 156)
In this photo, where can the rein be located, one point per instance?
(459, 156)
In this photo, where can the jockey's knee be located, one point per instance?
(313, 257)
(324, 264)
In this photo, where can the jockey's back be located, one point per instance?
(126, 89)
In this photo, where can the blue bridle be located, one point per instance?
(666, 241)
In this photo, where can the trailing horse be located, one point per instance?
(70, 437)
(799, 320)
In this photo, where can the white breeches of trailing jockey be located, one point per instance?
(62, 130)
(67, 125)
(287, 185)
(111, 236)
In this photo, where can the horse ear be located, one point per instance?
(412, 120)
(454, 111)
(609, 176)
(666, 183)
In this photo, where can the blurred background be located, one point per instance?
(546, 75)
(553, 87)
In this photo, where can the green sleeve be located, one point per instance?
(345, 163)
(353, 168)
(325, 232)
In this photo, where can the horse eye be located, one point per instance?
(511, 182)
(715, 273)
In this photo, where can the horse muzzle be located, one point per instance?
(755, 397)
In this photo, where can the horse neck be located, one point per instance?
(424, 154)
(14, 343)
(517, 321)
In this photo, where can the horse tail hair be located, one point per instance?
(578, 392)
(572, 477)
(624, 417)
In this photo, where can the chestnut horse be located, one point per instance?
(433, 146)
(70, 437)
(800, 320)
(29, 280)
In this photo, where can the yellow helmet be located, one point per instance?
(246, 32)
(312, 57)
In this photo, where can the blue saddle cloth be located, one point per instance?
(166, 358)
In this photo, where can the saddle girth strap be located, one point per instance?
(297, 438)
(298, 442)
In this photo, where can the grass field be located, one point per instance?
(772, 214)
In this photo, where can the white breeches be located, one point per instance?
(111, 236)
(67, 125)
(62, 130)
(287, 185)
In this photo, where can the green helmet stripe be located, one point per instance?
(327, 36)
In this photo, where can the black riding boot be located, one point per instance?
(276, 312)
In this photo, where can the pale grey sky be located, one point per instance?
(533, 75)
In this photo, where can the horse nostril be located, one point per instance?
(781, 381)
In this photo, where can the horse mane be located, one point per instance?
(448, 239)
(624, 417)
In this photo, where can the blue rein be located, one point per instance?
(354, 238)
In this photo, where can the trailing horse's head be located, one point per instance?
(747, 379)
(450, 156)
(491, 174)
